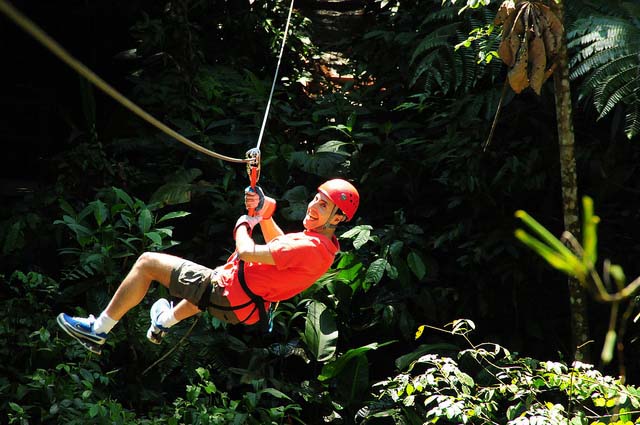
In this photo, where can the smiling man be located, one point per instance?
(240, 291)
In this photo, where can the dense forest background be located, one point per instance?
(374, 92)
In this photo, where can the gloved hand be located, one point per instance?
(246, 220)
(263, 205)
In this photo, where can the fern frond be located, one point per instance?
(426, 64)
(617, 89)
(610, 69)
(441, 69)
(600, 64)
(445, 14)
(435, 39)
(632, 120)
(605, 52)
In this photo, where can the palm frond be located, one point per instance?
(606, 63)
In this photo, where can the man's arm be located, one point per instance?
(248, 250)
(270, 229)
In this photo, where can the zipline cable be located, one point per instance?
(275, 77)
(36, 32)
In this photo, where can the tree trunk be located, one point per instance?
(566, 140)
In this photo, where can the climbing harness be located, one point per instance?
(265, 316)
(41, 36)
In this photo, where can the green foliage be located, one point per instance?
(488, 384)
(111, 229)
(431, 239)
(427, 31)
(56, 384)
(204, 403)
(605, 59)
(320, 334)
(580, 263)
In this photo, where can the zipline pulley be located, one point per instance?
(252, 158)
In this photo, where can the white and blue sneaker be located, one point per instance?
(157, 332)
(81, 329)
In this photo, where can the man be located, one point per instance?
(241, 290)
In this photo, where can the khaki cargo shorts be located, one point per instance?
(200, 286)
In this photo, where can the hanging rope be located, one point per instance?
(36, 32)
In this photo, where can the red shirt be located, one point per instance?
(300, 259)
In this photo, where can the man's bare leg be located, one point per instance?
(148, 267)
(92, 332)
(184, 309)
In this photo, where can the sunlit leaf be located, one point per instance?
(155, 237)
(144, 220)
(174, 214)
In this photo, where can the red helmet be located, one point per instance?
(343, 194)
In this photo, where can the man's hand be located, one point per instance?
(246, 220)
(262, 205)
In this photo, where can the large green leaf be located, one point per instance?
(375, 272)
(331, 370)
(178, 188)
(298, 198)
(416, 265)
(123, 196)
(353, 382)
(321, 332)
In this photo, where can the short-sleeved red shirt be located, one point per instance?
(300, 259)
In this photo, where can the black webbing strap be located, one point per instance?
(257, 300)
(254, 299)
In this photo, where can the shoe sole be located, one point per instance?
(91, 346)
(156, 341)
(153, 313)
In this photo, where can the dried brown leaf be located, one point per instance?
(552, 30)
(537, 64)
(506, 51)
(518, 75)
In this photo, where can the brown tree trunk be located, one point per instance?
(566, 140)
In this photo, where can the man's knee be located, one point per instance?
(146, 260)
(156, 266)
(148, 264)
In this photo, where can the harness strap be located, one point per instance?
(256, 300)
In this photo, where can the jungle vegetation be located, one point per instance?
(434, 311)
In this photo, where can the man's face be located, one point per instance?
(318, 211)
